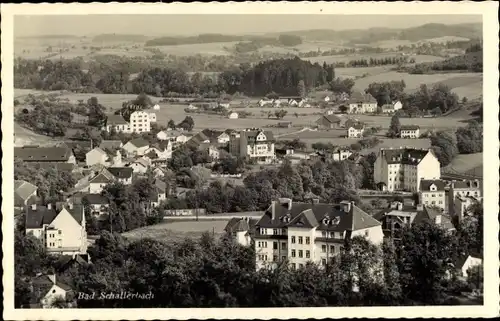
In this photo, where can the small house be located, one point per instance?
(48, 289)
(96, 156)
(286, 124)
(136, 147)
(156, 107)
(233, 115)
(328, 122)
(410, 131)
(24, 193)
(122, 174)
(355, 131)
(392, 107)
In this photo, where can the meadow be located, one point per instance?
(467, 164)
(176, 231)
(219, 49)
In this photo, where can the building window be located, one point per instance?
(308, 254)
(301, 265)
(366, 233)
(275, 232)
(308, 240)
(332, 248)
(293, 253)
(275, 258)
(323, 233)
(300, 240)
(323, 248)
(283, 246)
(283, 258)
(300, 253)
(275, 245)
(323, 262)
(293, 266)
(293, 239)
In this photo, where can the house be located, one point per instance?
(79, 119)
(309, 232)
(435, 216)
(47, 289)
(160, 193)
(186, 212)
(96, 156)
(255, 144)
(24, 193)
(328, 122)
(465, 262)
(116, 123)
(211, 149)
(136, 147)
(216, 136)
(410, 131)
(340, 154)
(197, 139)
(159, 152)
(233, 115)
(462, 206)
(99, 181)
(111, 145)
(432, 193)
(362, 103)
(463, 188)
(61, 230)
(241, 229)
(355, 131)
(392, 108)
(138, 122)
(192, 107)
(264, 102)
(139, 166)
(98, 205)
(162, 135)
(45, 154)
(395, 218)
(122, 174)
(156, 107)
(286, 124)
(402, 169)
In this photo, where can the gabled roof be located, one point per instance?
(113, 119)
(304, 219)
(404, 155)
(410, 127)
(430, 214)
(121, 172)
(101, 179)
(357, 126)
(138, 142)
(110, 144)
(41, 215)
(425, 184)
(98, 150)
(251, 135)
(23, 190)
(332, 119)
(43, 154)
(237, 224)
(142, 162)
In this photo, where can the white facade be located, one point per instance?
(353, 132)
(139, 167)
(362, 107)
(131, 149)
(96, 156)
(341, 154)
(162, 135)
(54, 293)
(152, 117)
(233, 116)
(433, 197)
(461, 205)
(410, 132)
(469, 263)
(140, 122)
(156, 107)
(401, 174)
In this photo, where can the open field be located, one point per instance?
(23, 137)
(177, 231)
(413, 82)
(347, 58)
(467, 164)
(218, 48)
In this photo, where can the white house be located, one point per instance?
(465, 188)
(432, 193)
(159, 153)
(309, 232)
(402, 169)
(162, 135)
(356, 130)
(241, 229)
(467, 262)
(392, 108)
(462, 206)
(156, 107)
(160, 193)
(62, 230)
(97, 204)
(362, 103)
(96, 156)
(233, 115)
(47, 289)
(264, 102)
(136, 147)
(410, 131)
(140, 166)
(341, 154)
(254, 144)
(99, 181)
(139, 122)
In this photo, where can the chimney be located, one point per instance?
(49, 206)
(346, 206)
(287, 201)
(420, 207)
(273, 210)
(438, 219)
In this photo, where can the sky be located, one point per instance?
(183, 25)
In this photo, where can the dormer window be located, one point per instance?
(336, 221)
(326, 221)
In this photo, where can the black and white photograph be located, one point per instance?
(249, 160)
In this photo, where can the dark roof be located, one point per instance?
(404, 155)
(121, 172)
(425, 184)
(357, 126)
(96, 199)
(240, 224)
(101, 178)
(41, 215)
(251, 135)
(23, 191)
(139, 142)
(332, 119)
(466, 184)
(358, 97)
(113, 119)
(310, 215)
(43, 154)
(430, 214)
(410, 127)
(110, 144)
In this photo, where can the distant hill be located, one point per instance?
(113, 37)
(427, 31)
(49, 37)
(202, 38)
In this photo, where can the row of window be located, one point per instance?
(301, 254)
(301, 240)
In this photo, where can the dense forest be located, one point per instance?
(202, 38)
(281, 76)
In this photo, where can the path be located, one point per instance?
(297, 132)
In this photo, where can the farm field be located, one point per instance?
(177, 231)
(346, 58)
(467, 164)
(218, 48)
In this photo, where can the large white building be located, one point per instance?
(309, 232)
(62, 229)
(403, 168)
(432, 193)
(139, 122)
(255, 144)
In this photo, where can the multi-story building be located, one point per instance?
(361, 103)
(462, 205)
(463, 188)
(254, 144)
(62, 230)
(432, 193)
(309, 232)
(242, 229)
(138, 122)
(410, 131)
(356, 131)
(404, 168)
